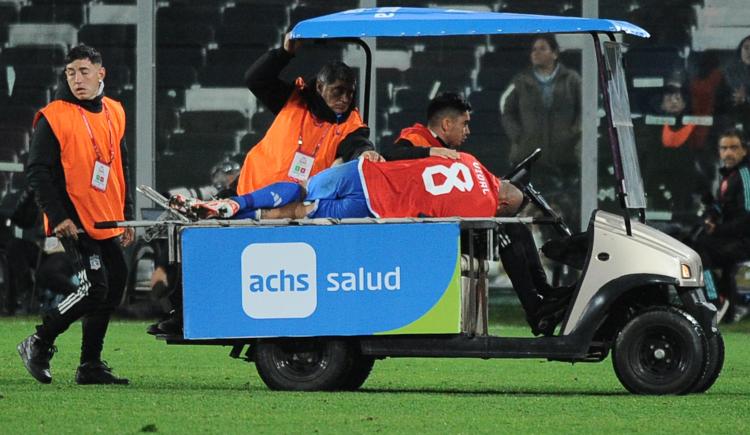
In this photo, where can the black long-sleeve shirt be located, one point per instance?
(262, 79)
(44, 169)
(403, 149)
(732, 210)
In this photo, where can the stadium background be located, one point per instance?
(177, 66)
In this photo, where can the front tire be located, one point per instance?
(303, 365)
(661, 351)
(714, 365)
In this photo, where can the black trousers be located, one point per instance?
(521, 261)
(722, 253)
(100, 281)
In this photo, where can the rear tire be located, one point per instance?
(360, 370)
(661, 351)
(714, 365)
(303, 365)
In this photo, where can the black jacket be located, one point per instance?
(262, 78)
(44, 169)
(403, 149)
(731, 211)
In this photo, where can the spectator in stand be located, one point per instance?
(542, 109)
(673, 155)
(735, 94)
(725, 240)
(704, 85)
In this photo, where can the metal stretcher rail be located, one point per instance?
(465, 222)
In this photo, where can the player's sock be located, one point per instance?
(271, 196)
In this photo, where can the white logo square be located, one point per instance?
(279, 280)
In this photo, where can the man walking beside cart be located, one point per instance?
(78, 169)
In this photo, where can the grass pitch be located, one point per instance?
(199, 389)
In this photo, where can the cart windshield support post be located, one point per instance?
(629, 185)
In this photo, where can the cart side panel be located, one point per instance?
(320, 280)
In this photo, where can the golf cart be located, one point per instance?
(315, 302)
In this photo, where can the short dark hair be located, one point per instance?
(734, 132)
(446, 104)
(739, 46)
(83, 51)
(551, 40)
(336, 70)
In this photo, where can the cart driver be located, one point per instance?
(448, 116)
(430, 187)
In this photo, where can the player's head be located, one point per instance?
(510, 199)
(448, 116)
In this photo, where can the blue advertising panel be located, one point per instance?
(321, 280)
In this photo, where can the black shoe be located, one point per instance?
(171, 326)
(546, 318)
(562, 292)
(544, 326)
(153, 329)
(36, 355)
(97, 372)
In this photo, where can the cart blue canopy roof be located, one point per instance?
(403, 22)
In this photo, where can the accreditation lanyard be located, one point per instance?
(302, 163)
(101, 167)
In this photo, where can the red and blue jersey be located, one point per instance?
(430, 187)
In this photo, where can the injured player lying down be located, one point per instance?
(429, 187)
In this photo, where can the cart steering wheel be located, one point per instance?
(519, 177)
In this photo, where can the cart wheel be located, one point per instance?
(361, 368)
(714, 366)
(661, 351)
(303, 365)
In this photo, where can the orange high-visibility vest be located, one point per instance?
(77, 155)
(420, 136)
(269, 161)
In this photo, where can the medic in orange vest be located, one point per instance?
(316, 123)
(448, 116)
(78, 170)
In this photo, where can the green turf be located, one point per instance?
(199, 389)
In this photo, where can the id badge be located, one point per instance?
(100, 177)
(301, 166)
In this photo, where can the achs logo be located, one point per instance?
(279, 280)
